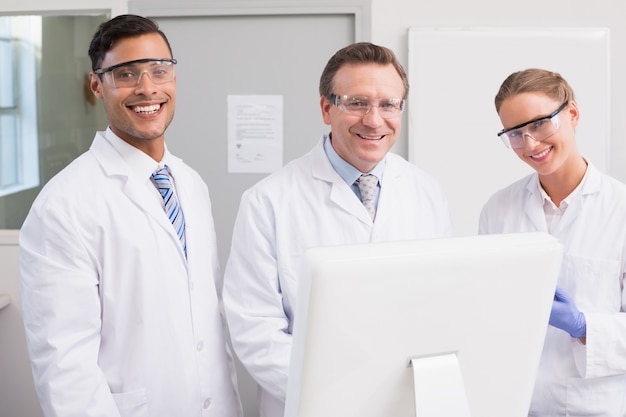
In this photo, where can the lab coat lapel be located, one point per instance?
(136, 190)
(534, 205)
(591, 185)
(340, 193)
(141, 196)
(343, 196)
(389, 184)
(570, 214)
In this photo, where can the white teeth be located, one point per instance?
(372, 137)
(541, 155)
(147, 109)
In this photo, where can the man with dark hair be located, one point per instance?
(118, 257)
(349, 189)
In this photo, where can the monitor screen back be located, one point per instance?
(364, 311)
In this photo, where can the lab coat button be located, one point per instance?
(200, 346)
(206, 404)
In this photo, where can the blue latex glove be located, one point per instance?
(566, 316)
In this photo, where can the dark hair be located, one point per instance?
(534, 80)
(120, 27)
(359, 53)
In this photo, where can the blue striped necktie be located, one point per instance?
(163, 182)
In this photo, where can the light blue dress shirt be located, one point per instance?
(349, 173)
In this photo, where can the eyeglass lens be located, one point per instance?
(159, 72)
(360, 106)
(539, 131)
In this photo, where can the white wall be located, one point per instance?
(487, 56)
(391, 20)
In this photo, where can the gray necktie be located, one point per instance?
(163, 182)
(367, 185)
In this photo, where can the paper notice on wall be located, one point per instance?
(255, 133)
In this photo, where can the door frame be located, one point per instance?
(360, 9)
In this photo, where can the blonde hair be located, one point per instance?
(535, 80)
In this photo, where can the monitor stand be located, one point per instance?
(439, 388)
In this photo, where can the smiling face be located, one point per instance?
(363, 141)
(558, 153)
(140, 114)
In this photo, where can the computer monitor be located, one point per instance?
(451, 327)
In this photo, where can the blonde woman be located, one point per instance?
(583, 366)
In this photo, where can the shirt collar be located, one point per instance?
(346, 171)
(138, 162)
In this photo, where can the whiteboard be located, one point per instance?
(455, 73)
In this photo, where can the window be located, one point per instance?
(20, 50)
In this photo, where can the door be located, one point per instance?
(247, 55)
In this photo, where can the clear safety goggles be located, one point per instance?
(538, 129)
(388, 108)
(128, 74)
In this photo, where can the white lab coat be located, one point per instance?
(576, 380)
(304, 205)
(117, 322)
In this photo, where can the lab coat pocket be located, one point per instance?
(132, 403)
(604, 397)
(594, 283)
